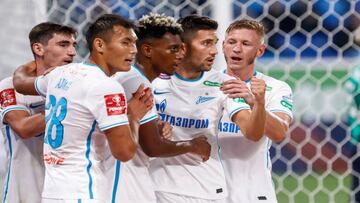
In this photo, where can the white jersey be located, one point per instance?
(25, 166)
(247, 164)
(193, 108)
(132, 181)
(81, 102)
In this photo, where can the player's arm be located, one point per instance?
(279, 114)
(16, 114)
(122, 138)
(121, 144)
(24, 124)
(251, 123)
(155, 145)
(277, 123)
(276, 126)
(24, 79)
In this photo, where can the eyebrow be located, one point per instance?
(130, 39)
(65, 42)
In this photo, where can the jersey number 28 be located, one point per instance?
(56, 115)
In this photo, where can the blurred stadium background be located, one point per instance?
(312, 45)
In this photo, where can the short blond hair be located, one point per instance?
(258, 27)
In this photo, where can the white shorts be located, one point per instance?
(166, 197)
(47, 200)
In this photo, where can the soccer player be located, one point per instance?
(247, 163)
(22, 117)
(160, 51)
(352, 85)
(192, 102)
(84, 109)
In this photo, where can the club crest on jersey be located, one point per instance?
(115, 104)
(212, 84)
(7, 98)
(202, 99)
(162, 106)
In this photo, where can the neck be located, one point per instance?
(93, 59)
(243, 74)
(186, 70)
(146, 67)
(40, 67)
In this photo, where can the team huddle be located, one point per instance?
(144, 118)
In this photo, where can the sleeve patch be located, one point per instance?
(115, 104)
(7, 98)
(287, 102)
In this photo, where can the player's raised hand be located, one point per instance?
(236, 88)
(258, 88)
(201, 147)
(141, 103)
(165, 129)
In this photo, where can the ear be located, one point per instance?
(261, 50)
(223, 44)
(183, 48)
(38, 49)
(146, 50)
(99, 45)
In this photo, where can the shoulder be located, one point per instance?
(213, 74)
(53, 74)
(63, 68)
(131, 81)
(121, 75)
(132, 75)
(99, 89)
(273, 83)
(216, 76)
(104, 82)
(8, 95)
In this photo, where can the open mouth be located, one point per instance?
(128, 60)
(211, 60)
(68, 61)
(235, 58)
(176, 65)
